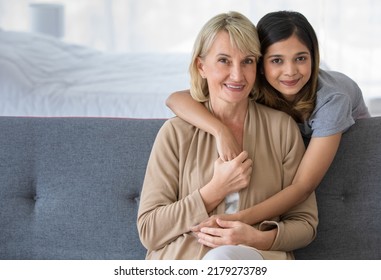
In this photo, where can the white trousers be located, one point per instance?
(232, 252)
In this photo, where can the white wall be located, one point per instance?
(349, 31)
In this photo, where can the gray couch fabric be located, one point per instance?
(69, 189)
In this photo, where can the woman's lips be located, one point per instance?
(234, 87)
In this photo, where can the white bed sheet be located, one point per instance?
(43, 76)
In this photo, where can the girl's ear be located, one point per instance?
(200, 67)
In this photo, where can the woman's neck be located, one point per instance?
(229, 112)
(232, 116)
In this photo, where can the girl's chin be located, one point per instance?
(288, 91)
(289, 94)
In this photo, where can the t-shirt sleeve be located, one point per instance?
(333, 116)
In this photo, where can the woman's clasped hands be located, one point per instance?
(232, 233)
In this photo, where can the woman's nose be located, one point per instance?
(236, 72)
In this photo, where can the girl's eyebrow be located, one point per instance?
(274, 55)
(297, 54)
(303, 53)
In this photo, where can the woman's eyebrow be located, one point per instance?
(247, 56)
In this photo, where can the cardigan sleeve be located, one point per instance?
(162, 215)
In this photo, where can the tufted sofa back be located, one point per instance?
(349, 198)
(69, 189)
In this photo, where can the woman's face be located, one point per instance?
(288, 66)
(229, 72)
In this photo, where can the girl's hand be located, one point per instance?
(227, 145)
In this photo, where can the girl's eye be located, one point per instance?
(301, 58)
(276, 61)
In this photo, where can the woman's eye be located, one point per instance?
(223, 60)
(248, 61)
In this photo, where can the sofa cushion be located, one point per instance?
(70, 187)
(349, 198)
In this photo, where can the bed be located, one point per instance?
(44, 76)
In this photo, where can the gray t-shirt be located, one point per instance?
(339, 103)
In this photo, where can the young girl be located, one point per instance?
(323, 103)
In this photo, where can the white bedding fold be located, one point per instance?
(43, 76)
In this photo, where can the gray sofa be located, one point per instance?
(69, 189)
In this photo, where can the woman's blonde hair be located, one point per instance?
(243, 35)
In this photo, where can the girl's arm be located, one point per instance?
(184, 106)
(315, 163)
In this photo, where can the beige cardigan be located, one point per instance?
(182, 161)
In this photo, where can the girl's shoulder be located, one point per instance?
(334, 79)
(335, 85)
(336, 82)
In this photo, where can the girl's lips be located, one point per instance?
(290, 83)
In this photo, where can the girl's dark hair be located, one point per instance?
(275, 27)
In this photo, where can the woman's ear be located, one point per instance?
(200, 67)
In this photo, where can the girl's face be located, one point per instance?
(288, 66)
(229, 72)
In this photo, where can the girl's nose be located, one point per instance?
(290, 69)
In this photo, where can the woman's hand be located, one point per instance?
(212, 222)
(227, 145)
(234, 175)
(228, 177)
(235, 233)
